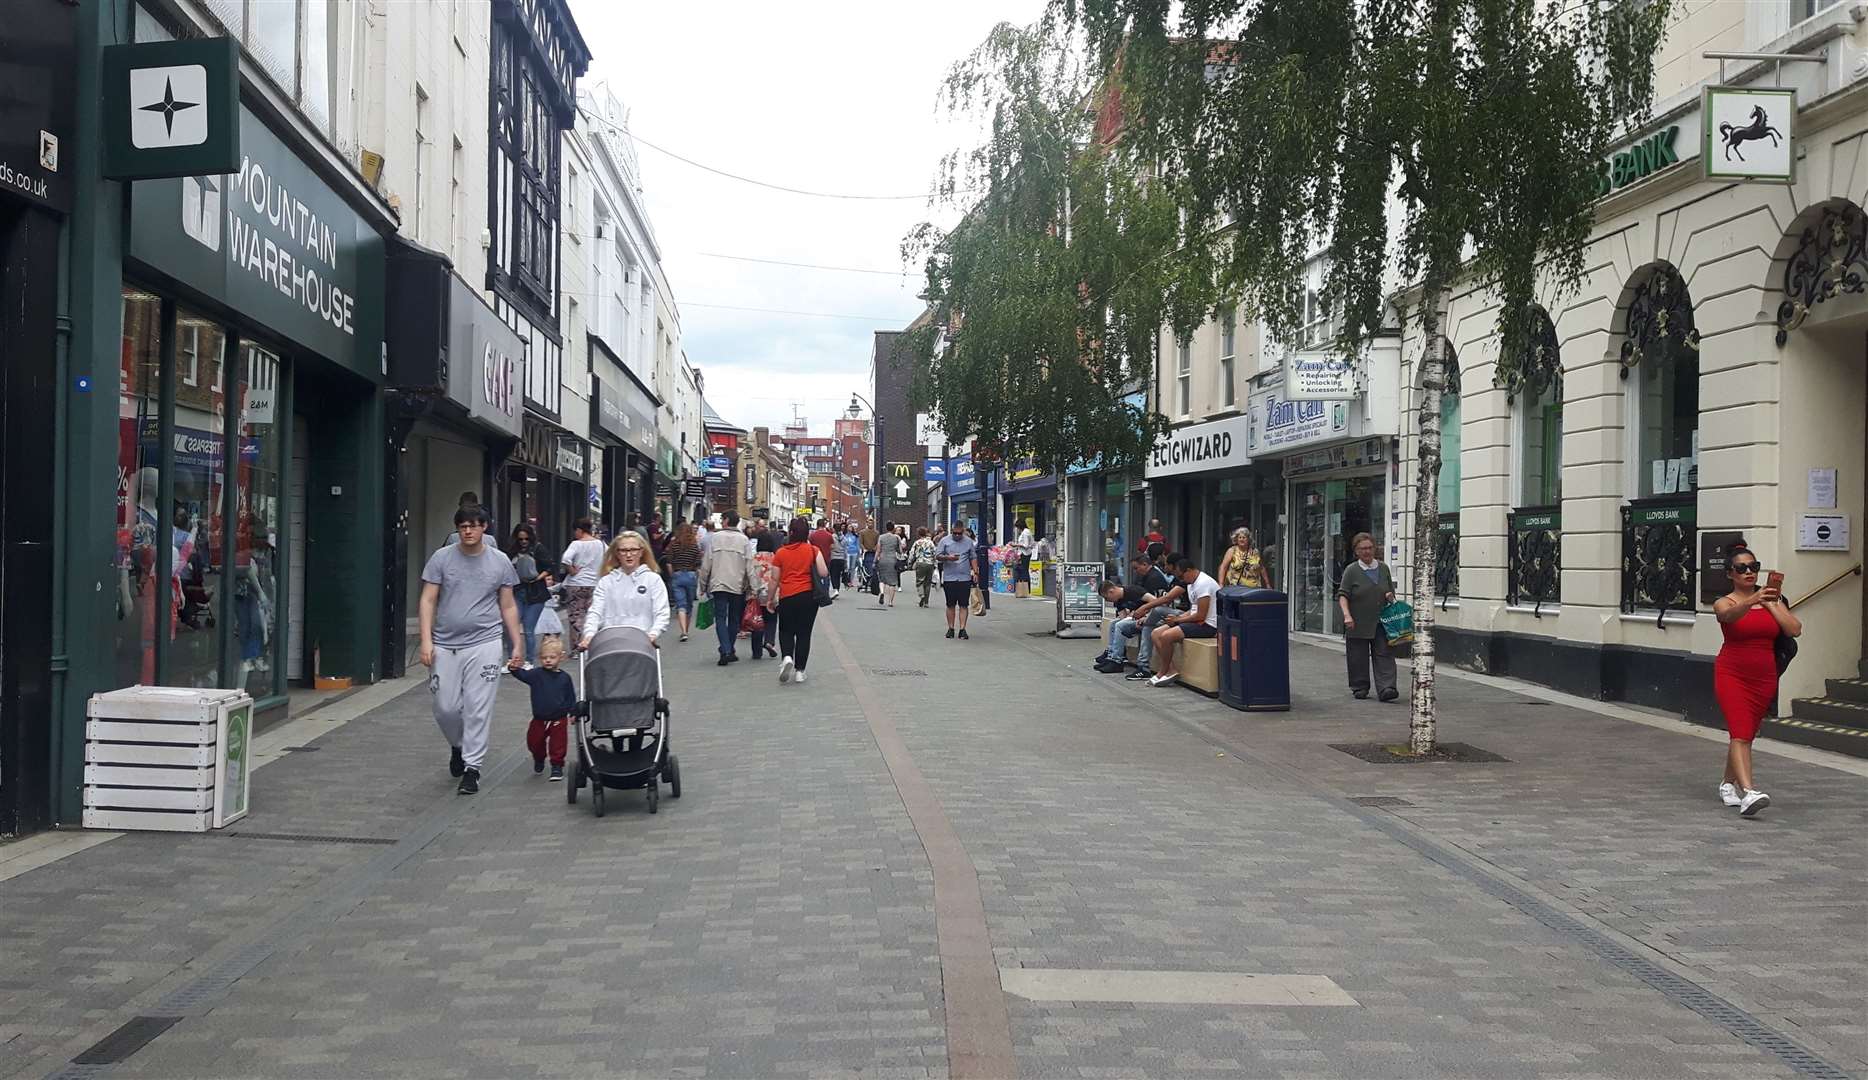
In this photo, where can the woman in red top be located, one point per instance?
(1744, 677)
(797, 600)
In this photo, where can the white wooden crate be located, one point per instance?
(189, 757)
(147, 820)
(149, 777)
(170, 703)
(198, 800)
(150, 732)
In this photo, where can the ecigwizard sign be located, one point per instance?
(171, 108)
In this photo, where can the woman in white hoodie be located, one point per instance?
(630, 592)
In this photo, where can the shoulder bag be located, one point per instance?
(1784, 648)
(820, 586)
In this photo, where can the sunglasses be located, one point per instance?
(1745, 568)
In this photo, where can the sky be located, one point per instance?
(824, 95)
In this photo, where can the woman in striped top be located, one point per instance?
(683, 559)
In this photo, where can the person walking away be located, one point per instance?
(729, 574)
(797, 599)
(1242, 564)
(765, 636)
(890, 551)
(465, 604)
(1113, 660)
(867, 538)
(955, 555)
(852, 554)
(683, 562)
(1165, 597)
(1200, 620)
(1366, 588)
(629, 592)
(921, 554)
(826, 544)
(554, 697)
(581, 561)
(1744, 676)
(534, 587)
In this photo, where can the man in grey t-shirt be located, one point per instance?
(954, 554)
(466, 606)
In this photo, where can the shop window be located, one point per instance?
(1228, 357)
(260, 494)
(1541, 452)
(196, 522)
(139, 480)
(1660, 358)
(1183, 379)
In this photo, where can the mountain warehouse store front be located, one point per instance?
(249, 428)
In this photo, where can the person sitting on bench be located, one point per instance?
(1200, 621)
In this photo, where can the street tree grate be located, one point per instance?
(1450, 753)
(1379, 800)
(136, 1033)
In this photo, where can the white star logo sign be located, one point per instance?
(168, 106)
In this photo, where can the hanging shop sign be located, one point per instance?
(1216, 444)
(717, 467)
(693, 488)
(752, 482)
(1313, 375)
(483, 360)
(568, 458)
(38, 86)
(1748, 134)
(273, 242)
(901, 484)
(171, 108)
(965, 478)
(934, 471)
(1280, 424)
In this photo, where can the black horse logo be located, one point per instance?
(1759, 128)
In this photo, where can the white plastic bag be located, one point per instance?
(548, 621)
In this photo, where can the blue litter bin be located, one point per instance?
(1254, 649)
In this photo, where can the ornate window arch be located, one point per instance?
(1830, 259)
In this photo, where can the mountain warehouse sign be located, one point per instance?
(1216, 444)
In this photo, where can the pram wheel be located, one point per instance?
(672, 771)
(573, 782)
(655, 794)
(596, 799)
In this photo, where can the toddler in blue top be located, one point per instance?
(554, 696)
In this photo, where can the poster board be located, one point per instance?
(1079, 604)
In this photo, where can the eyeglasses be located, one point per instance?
(629, 551)
(1745, 568)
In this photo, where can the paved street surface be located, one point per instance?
(975, 858)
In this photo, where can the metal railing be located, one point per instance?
(1658, 559)
(1534, 571)
(1824, 587)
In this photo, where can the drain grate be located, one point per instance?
(301, 749)
(136, 1033)
(1379, 800)
(306, 838)
(898, 673)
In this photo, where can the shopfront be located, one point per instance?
(622, 420)
(250, 424)
(1205, 482)
(1030, 495)
(453, 416)
(546, 484)
(966, 505)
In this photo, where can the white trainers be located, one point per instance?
(1753, 802)
(798, 678)
(1163, 680)
(785, 668)
(1728, 794)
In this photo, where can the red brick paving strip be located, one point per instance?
(979, 1033)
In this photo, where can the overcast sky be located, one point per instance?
(826, 95)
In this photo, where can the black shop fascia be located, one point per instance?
(622, 425)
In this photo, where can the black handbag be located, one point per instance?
(820, 586)
(1785, 649)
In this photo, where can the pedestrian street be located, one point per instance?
(966, 858)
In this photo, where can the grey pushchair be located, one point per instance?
(622, 721)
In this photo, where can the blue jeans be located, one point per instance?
(681, 591)
(1118, 637)
(528, 624)
(728, 608)
(1145, 652)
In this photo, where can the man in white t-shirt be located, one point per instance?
(582, 560)
(1200, 620)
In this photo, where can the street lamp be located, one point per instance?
(877, 458)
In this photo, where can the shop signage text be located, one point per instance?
(1318, 376)
(570, 459)
(1281, 424)
(484, 365)
(38, 83)
(1217, 444)
(496, 371)
(965, 481)
(1354, 455)
(1638, 162)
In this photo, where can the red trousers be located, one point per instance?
(545, 734)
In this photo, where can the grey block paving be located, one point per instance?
(778, 921)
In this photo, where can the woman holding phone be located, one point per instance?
(1744, 677)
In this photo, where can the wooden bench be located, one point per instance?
(1197, 660)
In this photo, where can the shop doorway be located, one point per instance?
(1329, 513)
(295, 561)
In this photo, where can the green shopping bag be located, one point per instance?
(703, 614)
(1398, 623)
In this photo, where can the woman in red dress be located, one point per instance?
(1744, 677)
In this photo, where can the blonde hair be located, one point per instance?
(551, 644)
(612, 559)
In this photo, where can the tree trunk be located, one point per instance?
(1427, 523)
